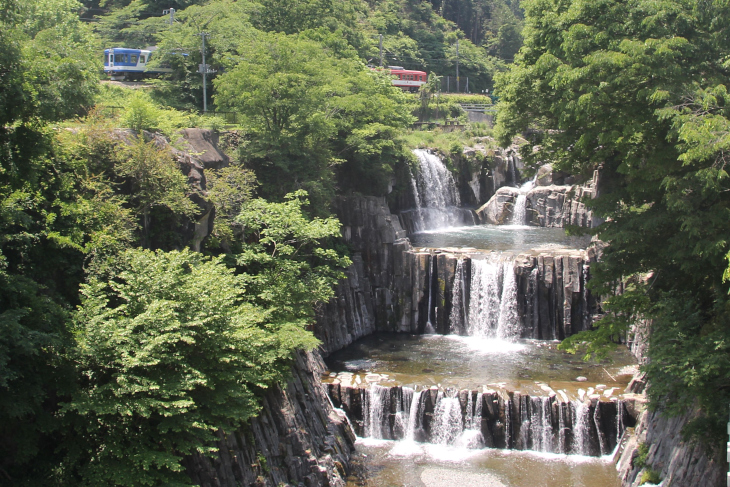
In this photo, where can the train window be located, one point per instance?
(141, 59)
(119, 58)
(134, 59)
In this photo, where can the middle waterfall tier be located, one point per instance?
(500, 295)
(493, 419)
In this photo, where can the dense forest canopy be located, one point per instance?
(638, 90)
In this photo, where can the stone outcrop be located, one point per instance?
(297, 439)
(678, 463)
(547, 206)
(498, 210)
(378, 287)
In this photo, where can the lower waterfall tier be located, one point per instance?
(494, 419)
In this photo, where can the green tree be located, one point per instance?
(637, 89)
(299, 101)
(170, 351)
(290, 263)
(155, 181)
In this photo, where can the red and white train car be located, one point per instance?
(407, 79)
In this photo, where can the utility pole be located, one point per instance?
(204, 69)
(457, 65)
(170, 11)
(381, 50)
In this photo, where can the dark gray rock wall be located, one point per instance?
(678, 463)
(547, 206)
(298, 439)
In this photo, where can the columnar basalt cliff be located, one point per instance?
(298, 439)
(547, 206)
(679, 463)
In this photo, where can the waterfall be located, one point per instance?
(435, 192)
(493, 302)
(541, 428)
(516, 420)
(458, 301)
(377, 407)
(430, 329)
(419, 213)
(415, 415)
(512, 168)
(404, 400)
(520, 209)
(581, 428)
(471, 437)
(509, 320)
(563, 409)
(447, 422)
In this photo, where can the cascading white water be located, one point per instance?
(509, 320)
(435, 192)
(430, 330)
(447, 422)
(581, 428)
(472, 437)
(541, 429)
(417, 197)
(416, 411)
(458, 305)
(520, 209)
(493, 302)
(377, 406)
(402, 414)
(562, 412)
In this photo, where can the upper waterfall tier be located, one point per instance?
(436, 197)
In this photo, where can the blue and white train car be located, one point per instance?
(128, 64)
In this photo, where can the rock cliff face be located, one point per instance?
(547, 206)
(679, 463)
(298, 439)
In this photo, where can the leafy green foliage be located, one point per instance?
(638, 89)
(170, 351)
(156, 182)
(288, 265)
(307, 110)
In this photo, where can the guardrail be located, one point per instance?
(480, 107)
